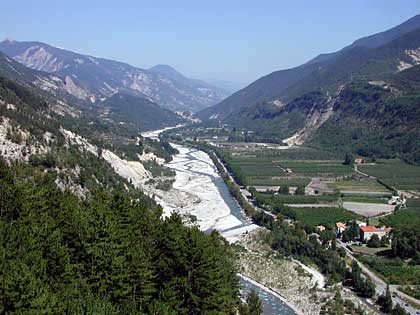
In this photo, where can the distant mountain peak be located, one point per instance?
(168, 71)
(163, 67)
(172, 73)
(92, 78)
(8, 40)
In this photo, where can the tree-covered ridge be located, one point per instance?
(39, 135)
(140, 112)
(27, 89)
(376, 118)
(107, 255)
(356, 100)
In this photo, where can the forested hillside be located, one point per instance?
(139, 112)
(373, 55)
(363, 99)
(377, 119)
(108, 255)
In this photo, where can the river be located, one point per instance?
(214, 208)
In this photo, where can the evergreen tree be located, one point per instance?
(374, 241)
(284, 189)
(109, 254)
(348, 159)
(398, 310)
(254, 303)
(385, 301)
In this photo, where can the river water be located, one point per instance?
(197, 176)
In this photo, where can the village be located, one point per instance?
(346, 205)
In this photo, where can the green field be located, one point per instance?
(368, 250)
(402, 217)
(270, 199)
(300, 154)
(413, 203)
(269, 170)
(369, 185)
(318, 168)
(258, 167)
(395, 173)
(270, 181)
(327, 216)
(393, 270)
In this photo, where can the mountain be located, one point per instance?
(284, 85)
(378, 118)
(377, 40)
(169, 72)
(203, 86)
(76, 227)
(137, 111)
(93, 79)
(362, 99)
(49, 129)
(264, 88)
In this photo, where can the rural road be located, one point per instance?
(398, 297)
(241, 189)
(361, 173)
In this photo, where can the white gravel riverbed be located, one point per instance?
(199, 191)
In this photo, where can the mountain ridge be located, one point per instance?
(303, 105)
(378, 39)
(274, 84)
(92, 78)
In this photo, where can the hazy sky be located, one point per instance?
(232, 40)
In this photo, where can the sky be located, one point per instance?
(227, 40)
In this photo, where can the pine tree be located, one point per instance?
(254, 303)
(386, 302)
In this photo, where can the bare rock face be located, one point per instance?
(91, 79)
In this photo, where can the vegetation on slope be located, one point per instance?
(107, 255)
(140, 112)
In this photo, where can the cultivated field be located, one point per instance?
(277, 181)
(395, 173)
(354, 186)
(301, 199)
(327, 216)
(404, 217)
(326, 168)
(283, 167)
(393, 270)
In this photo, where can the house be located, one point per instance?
(264, 189)
(366, 232)
(359, 160)
(397, 200)
(320, 228)
(292, 190)
(340, 227)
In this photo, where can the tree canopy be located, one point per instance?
(106, 255)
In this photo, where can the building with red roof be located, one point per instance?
(366, 232)
(340, 227)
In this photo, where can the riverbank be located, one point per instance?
(293, 309)
(298, 284)
(287, 278)
(199, 192)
